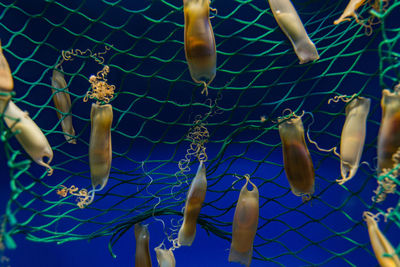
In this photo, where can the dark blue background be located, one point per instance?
(35, 30)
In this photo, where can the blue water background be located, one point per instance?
(207, 250)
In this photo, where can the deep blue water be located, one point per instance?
(39, 30)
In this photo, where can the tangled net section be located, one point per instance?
(163, 126)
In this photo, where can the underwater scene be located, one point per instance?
(200, 133)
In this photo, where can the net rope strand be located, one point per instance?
(258, 76)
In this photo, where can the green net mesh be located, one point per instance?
(156, 104)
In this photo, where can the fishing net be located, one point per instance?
(162, 122)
